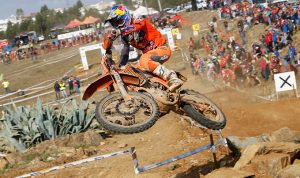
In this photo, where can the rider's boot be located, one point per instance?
(170, 76)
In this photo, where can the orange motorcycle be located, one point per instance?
(137, 98)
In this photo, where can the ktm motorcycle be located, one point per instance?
(136, 99)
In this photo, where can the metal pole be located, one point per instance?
(159, 5)
(147, 7)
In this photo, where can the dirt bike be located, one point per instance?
(137, 98)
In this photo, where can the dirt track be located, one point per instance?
(170, 136)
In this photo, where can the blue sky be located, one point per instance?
(8, 7)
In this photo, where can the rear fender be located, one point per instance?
(107, 82)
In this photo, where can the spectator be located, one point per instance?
(62, 88)
(242, 32)
(197, 64)
(264, 67)
(191, 45)
(76, 83)
(5, 84)
(71, 85)
(57, 90)
(226, 26)
(211, 71)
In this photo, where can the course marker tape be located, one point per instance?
(132, 151)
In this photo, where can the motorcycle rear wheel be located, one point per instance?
(202, 110)
(114, 114)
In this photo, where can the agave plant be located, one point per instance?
(24, 127)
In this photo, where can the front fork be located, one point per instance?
(121, 85)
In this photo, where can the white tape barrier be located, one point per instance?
(36, 96)
(32, 88)
(132, 151)
(66, 57)
(26, 99)
(4, 96)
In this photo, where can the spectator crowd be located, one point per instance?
(231, 61)
(31, 51)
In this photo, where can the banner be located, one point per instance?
(175, 31)
(195, 33)
(196, 27)
(285, 81)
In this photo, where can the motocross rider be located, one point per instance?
(140, 34)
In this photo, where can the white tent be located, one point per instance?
(143, 11)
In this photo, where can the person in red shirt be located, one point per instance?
(268, 40)
(140, 34)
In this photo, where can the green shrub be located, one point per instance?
(24, 127)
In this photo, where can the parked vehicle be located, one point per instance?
(137, 98)
(201, 4)
(41, 38)
(176, 10)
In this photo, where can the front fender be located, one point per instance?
(106, 82)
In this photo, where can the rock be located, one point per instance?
(102, 143)
(296, 161)
(123, 145)
(50, 158)
(92, 138)
(3, 163)
(66, 151)
(251, 151)
(229, 173)
(89, 138)
(290, 171)
(248, 154)
(285, 134)
(174, 166)
(37, 162)
(242, 142)
(2, 155)
(270, 164)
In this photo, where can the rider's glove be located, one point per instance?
(109, 38)
(107, 42)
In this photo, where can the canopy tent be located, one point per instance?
(141, 11)
(73, 23)
(90, 20)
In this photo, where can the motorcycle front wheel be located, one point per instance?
(136, 115)
(202, 110)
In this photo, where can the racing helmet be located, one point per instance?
(119, 17)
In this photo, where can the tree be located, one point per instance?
(24, 25)
(2, 35)
(19, 13)
(194, 5)
(12, 30)
(92, 12)
(79, 4)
